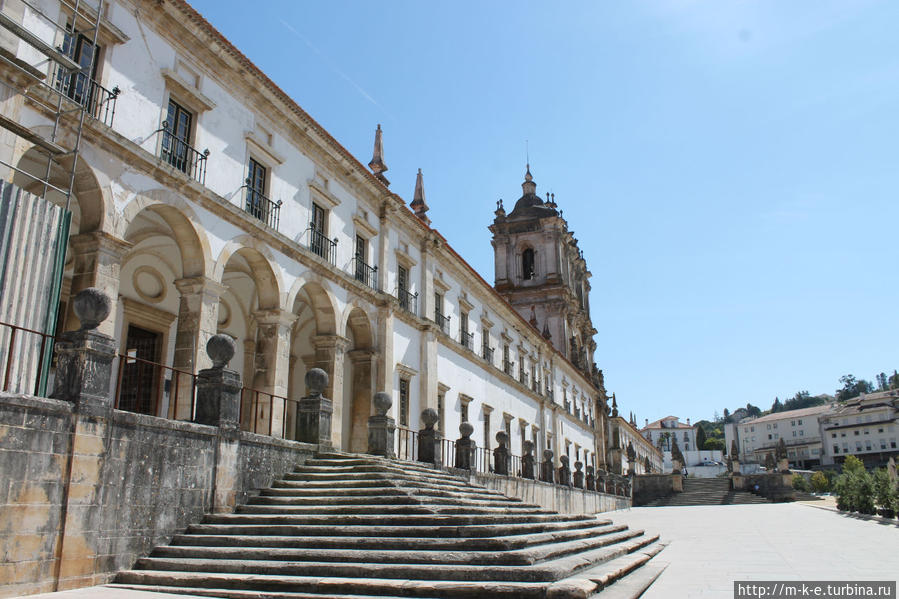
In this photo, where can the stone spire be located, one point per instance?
(533, 319)
(418, 205)
(529, 187)
(546, 334)
(614, 407)
(377, 165)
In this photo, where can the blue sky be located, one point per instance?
(729, 167)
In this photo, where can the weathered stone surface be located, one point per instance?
(465, 447)
(381, 427)
(501, 455)
(314, 411)
(429, 438)
(527, 460)
(92, 307)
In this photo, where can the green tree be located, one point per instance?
(853, 387)
(819, 482)
(752, 410)
(855, 487)
(885, 493)
(776, 406)
(700, 437)
(726, 416)
(894, 380)
(800, 484)
(882, 382)
(713, 444)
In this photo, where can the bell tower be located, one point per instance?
(540, 270)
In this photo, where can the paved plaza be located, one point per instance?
(711, 546)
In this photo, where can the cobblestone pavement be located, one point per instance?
(711, 546)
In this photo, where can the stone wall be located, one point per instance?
(654, 486)
(562, 499)
(82, 497)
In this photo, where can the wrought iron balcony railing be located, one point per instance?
(408, 301)
(508, 367)
(467, 340)
(487, 353)
(97, 101)
(364, 273)
(321, 246)
(178, 153)
(442, 322)
(261, 207)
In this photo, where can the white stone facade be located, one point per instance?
(866, 427)
(756, 437)
(187, 256)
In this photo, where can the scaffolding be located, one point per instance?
(61, 83)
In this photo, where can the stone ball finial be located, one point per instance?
(578, 465)
(91, 306)
(220, 349)
(564, 459)
(382, 401)
(316, 381)
(548, 455)
(502, 438)
(465, 429)
(527, 447)
(429, 417)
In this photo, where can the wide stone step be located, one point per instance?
(287, 587)
(374, 500)
(520, 557)
(384, 520)
(425, 531)
(377, 468)
(545, 571)
(238, 594)
(505, 543)
(388, 509)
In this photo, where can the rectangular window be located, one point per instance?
(404, 402)
(836, 449)
(486, 431)
(464, 414)
(800, 422)
(140, 388)
(318, 241)
(441, 418)
(402, 282)
(176, 148)
(801, 433)
(257, 205)
(80, 86)
(438, 306)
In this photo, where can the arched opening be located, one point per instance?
(249, 312)
(357, 388)
(527, 264)
(157, 330)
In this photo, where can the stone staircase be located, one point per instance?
(707, 491)
(359, 526)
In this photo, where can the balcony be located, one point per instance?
(321, 246)
(467, 340)
(487, 353)
(97, 101)
(364, 273)
(179, 154)
(261, 207)
(442, 322)
(408, 301)
(508, 367)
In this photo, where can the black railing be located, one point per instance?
(522, 376)
(97, 101)
(143, 386)
(321, 246)
(364, 273)
(261, 207)
(487, 353)
(467, 340)
(442, 322)
(408, 301)
(508, 367)
(179, 154)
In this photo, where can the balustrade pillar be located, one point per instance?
(96, 263)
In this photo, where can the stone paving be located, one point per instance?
(711, 546)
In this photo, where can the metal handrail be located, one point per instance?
(364, 273)
(159, 372)
(259, 402)
(408, 301)
(442, 322)
(321, 246)
(487, 353)
(97, 101)
(181, 155)
(467, 340)
(261, 207)
(16, 331)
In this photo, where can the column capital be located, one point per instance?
(99, 241)
(361, 355)
(335, 342)
(275, 316)
(195, 285)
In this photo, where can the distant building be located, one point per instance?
(624, 433)
(666, 429)
(756, 437)
(864, 427)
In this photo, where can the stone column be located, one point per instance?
(527, 460)
(384, 374)
(197, 323)
(83, 373)
(501, 456)
(578, 475)
(273, 363)
(465, 447)
(564, 471)
(381, 427)
(591, 479)
(429, 438)
(96, 263)
(314, 411)
(361, 390)
(330, 351)
(547, 469)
